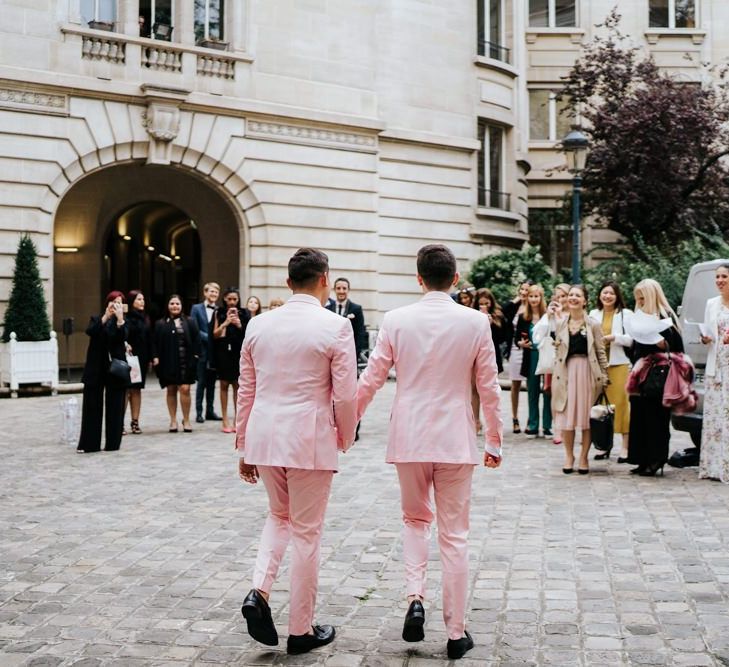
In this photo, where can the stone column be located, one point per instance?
(236, 25)
(184, 32)
(128, 17)
(73, 14)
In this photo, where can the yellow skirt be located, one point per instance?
(618, 376)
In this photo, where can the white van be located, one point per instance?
(700, 287)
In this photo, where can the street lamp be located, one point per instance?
(575, 145)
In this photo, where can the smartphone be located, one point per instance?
(125, 308)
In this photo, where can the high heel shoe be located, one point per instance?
(602, 456)
(652, 470)
(583, 471)
(637, 471)
(568, 471)
(135, 427)
(622, 460)
(517, 428)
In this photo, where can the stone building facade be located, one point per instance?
(210, 138)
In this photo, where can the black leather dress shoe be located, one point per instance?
(200, 419)
(457, 647)
(412, 629)
(257, 613)
(212, 417)
(323, 635)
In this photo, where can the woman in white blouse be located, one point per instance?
(612, 315)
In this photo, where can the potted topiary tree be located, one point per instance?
(29, 349)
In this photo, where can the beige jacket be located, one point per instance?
(595, 354)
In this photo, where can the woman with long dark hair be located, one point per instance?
(102, 390)
(485, 302)
(253, 306)
(650, 430)
(612, 315)
(177, 347)
(140, 342)
(512, 310)
(229, 330)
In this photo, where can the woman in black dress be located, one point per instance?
(649, 420)
(228, 332)
(107, 334)
(141, 344)
(176, 349)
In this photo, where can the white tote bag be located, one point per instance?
(546, 356)
(135, 371)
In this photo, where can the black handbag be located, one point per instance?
(120, 371)
(602, 427)
(655, 381)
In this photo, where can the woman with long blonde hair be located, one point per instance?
(535, 309)
(649, 419)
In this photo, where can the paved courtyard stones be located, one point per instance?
(142, 558)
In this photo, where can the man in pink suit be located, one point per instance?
(437, 347)
(296, 407)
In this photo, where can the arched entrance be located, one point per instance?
(131, 226)
(155, 246)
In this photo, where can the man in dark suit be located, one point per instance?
(352, 311)
(203, 313)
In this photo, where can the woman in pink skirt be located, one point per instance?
(580, 373)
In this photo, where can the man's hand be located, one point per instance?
(491, 461)
(246, 472)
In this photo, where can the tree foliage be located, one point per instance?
(669, 267)
(26, 314)
(655, 170)
(504, 271)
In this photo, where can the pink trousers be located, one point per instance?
(297, 502)
(451, 484)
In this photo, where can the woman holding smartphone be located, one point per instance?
(228, 333)
(107, 335)
(514, 354)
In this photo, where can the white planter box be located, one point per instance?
(22, 362)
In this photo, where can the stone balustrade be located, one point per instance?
(215, 65)
(162, 58)
(111, 49)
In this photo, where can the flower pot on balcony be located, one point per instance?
(213, 44)
(102, 25)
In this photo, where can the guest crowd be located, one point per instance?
(568, 356)
(200, 349)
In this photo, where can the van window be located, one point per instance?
(694, 301)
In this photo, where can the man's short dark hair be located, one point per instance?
(342, 280)
(306, 267)
(436, 266)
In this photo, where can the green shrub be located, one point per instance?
(26, 314)
(669, 269)
(504, 271)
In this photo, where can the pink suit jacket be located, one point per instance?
(298, 386)
(436, 346)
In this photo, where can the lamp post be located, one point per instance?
(575, 145)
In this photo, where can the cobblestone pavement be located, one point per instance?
(143, 557)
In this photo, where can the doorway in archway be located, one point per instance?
(155, 247)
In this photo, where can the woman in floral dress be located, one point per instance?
(714, 462)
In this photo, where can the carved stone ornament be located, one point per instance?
(162, 122)
(34, 101)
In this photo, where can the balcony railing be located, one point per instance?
(495, 51)
(153, 54)
(494, 199)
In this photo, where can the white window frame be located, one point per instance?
(552, 16)
(551, 119)
(486, 163)
(96, 11)
(206, 34)
(672, 16)
(487, 22)
(153, 11)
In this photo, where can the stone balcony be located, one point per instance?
(112, 55)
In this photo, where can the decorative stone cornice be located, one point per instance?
(315, 136)
(36, 101)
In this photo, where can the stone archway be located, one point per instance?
(97, 208)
